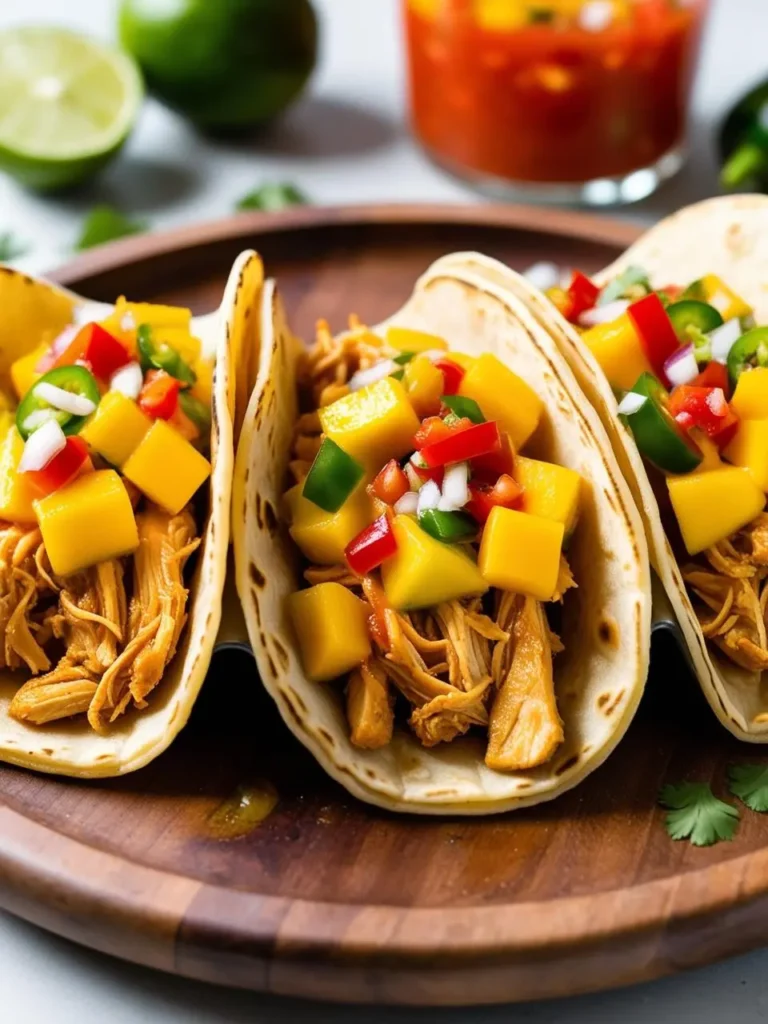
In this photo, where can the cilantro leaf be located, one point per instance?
(695, 813)
(272, 197)
(105, 224)
(749, 782)
(11, 248)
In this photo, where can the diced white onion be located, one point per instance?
(434, 355)
(455, 487)
(681, 367)
(408, 505)
(723, 338)
(127, 380)
(543, 275)
(42, 446)
(82, 315)
(378, 371)
(75, 405)
(414, 479)
(36, 419)
(630, 403)
(604, 314)
(62, 341)
(418, 460)
(127, 322)
(596, 16)
(716, 402)
(429, 497)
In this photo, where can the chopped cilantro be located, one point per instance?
(749, 782)
(272, 197)
(105, 224)
(695, 813)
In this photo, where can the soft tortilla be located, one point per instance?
(599, 677)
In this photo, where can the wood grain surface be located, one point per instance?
(329, 898)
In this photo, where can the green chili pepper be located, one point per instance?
(692, 313)
(332, 478)
(448, 527)
(660, 439)
(404, 357)
(75, 379)
(197, 411)
(155, 355)
(464, 407)
(750, 350)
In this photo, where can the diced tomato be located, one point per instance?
(435, 429)
(453, 375)
(656, 333)
(96, 348)
(488, 468)
(159, 398)
(62, 469)
(371, 546)
(583, 294)
(390, 483)
(463, 445)
(705, 408)
(715, 375)
(483, 499)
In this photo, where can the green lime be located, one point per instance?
(67, 104)
(225, 64)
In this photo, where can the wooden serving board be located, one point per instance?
(327, 897)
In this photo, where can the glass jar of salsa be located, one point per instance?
(558, 100)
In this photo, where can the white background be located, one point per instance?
(345, 143)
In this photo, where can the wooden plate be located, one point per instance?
(326, 897)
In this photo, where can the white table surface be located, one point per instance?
(345, 143)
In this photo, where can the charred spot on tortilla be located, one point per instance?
(323, 732)
(271, 516)
(566, 766)
(255, 605)
(282, 653)
(608, 632)
(257, 511)
(257, 576)
(48, 751)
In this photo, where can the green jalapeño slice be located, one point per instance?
(659, 437)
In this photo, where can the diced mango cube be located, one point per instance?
(374, 424)
(332, 627)
(88, 521)
(154, 313)
(521, 553)
(425, 571)
(7, 421)
(16, 496)
(322, 536)
(549, 491)
(749, 449)
(167, 468)
(709, 450)
(116, 428)
(726, 301)
(711, 506)
(203, 386)
(24, 372)
(425, 385)
(406, 340)
(462, 359)
(503, 396)
(750, 399)
(618, 349)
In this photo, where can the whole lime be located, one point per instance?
(225, 64)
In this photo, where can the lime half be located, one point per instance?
(67, 104)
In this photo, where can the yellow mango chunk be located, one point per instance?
(116, 428)
(332, 627)
(425, 571)
(154, 313)
(16, 496)
(709, 450)
(521, 553)
(374, 424)
(7, 421)
(750, 399)
(405, 340)
(504, 397)
(23, 371)
(461, 359)
(619, 351)
(724, 299)
(711, 506)
(87, 522)
(425, 385)
(167, 468)
(203, 386)
(549, 491)
(749, 449)
(322, 536)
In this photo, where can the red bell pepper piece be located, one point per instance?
(463, 445)
(705, 408)
(62, 469)
(371, 546)
(715, 375)
(96, 348)
(390, 483)
(453, 374)
(159, 398)
(483, 499)
(583, 294)
(656, 333)
(435, 429)
(488, 468)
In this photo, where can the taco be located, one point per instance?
(116, 454)
(443, 574)
(670, 346)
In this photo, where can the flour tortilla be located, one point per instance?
(727, 236)
(599, 677)
(31, 310)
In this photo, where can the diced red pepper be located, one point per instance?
(583, 294)
(478, 439)
(371, 546)
(159, 397)
(488, 468)
(453, 375)
(705, 408)
(714, 376)
(390, 483)
(96, 348)
(62, 469)
(656, 333)
(483, 499)
(435, 429)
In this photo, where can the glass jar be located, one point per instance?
(554, 100)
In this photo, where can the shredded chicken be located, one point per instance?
(19, 596)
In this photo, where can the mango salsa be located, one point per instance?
(749, 449)
(16, 496)
(725, 300)
(372, 425)
(425, 571)
(24, 372)
(332, 628)
(618, 349)
(86, 522)
(504, 397)
(461, 359)
(750, 399)
(167, 468)
(116, 428)
(425, 385)
(711, 506)
(405, 340)
(322, 536)
(521, 553)
(549, 491)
